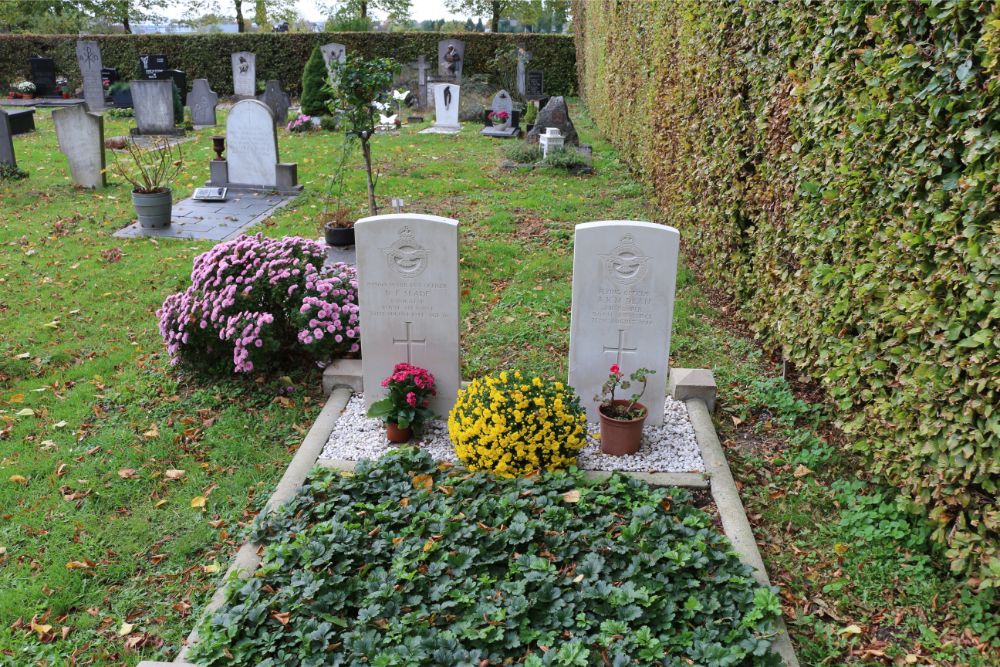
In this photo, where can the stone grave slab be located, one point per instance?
(153, 101)
(6, 140)
(88, 56)
(81, 139)
(502, 104)
(244, 74)
(277, 100)
(409, 287)
(203, 101)
(214, 221)
(624, 273)
(446, 100)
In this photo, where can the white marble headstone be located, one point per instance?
(251, 144)
(624, 273)
(88, 56)
(408, 292)
(81, 139)
(244, 74)
(333, 52)
(446, 101)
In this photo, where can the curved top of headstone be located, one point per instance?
(251, 144)
(502, 102)
(583, 226)
(407, 216)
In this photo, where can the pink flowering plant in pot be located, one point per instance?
(622, 419)
(407, 402)
(257, 303)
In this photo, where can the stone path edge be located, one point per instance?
(734, 518)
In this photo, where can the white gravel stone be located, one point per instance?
(668, 448)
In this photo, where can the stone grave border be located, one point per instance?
(696, 387)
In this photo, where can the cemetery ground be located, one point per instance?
(126, 486)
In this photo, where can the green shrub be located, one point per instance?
(9, 172)
(523, 153)
(531, 113)
(314, 83)
(567, 158)
(411, 562)
(835, 167)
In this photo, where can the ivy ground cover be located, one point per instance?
(411, 562)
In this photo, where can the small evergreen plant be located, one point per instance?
(315, 88)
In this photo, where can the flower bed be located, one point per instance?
(413, 562)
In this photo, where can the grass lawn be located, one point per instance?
(113, 559)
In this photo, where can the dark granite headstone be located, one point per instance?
(534, 87)
(151, 65)
(554, 114)
(22, 121)
(43, 75)
(6, 140)
(277, 99)
(111, 74)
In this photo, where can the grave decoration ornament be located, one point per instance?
(622, 419)
(406, 406)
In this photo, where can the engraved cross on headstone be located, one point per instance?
(523, 58)
(621, 349)
(421, 65)
(409, 341)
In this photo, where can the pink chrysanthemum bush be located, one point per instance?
(259, 303)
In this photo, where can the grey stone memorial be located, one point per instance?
(252, 153)
(451, 58)
(244, 74)
(502, 130)
(523, 58)
(203, 101)
(88, 56)
(554, 114)
(6, 141)
(277, 100)
(624, 273)
(81, 139)
(446, 99)
(333, 52)
(421, 65)
(153, 101)
(408, 281)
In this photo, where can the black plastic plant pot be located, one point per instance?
(338, 237)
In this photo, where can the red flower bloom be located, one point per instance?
(615, 369)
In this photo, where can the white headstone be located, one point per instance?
(202, 100)
(88, 56)
(333, 52)
(624, 274)
(446, 101)
(251, 144)
(244, 74)
(81, 139)
(408, 287)
(154, 106)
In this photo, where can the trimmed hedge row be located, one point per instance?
(835, 165)
(283, 56)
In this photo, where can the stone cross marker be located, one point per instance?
(624, 274)
(81, 140)
(421, 65)
(333, 52)
(6, 140)
(244, 74)
(277, 99)
(408, 283)
(203, 101)
(88, 56)
(154, 107)
(446, 100)
(451, 57)
(251, 144)
(523, 58)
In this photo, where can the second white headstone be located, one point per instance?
(624, 274)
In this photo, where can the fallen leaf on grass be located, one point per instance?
(212, 568)
(39, 628)
(79, 565)
(125, 629)
(173, 474)
(198, 501)
(850, 630)
(153, 432)
(26, 412)
(19, 479)
(801, 471)
(127, 473)
(16, 398)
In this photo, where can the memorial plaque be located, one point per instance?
(534, 87)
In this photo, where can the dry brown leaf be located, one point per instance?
(173, 474)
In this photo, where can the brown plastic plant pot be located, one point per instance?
(621, 437)
(396, 434)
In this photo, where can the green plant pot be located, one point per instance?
(153, 208)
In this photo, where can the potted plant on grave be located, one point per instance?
(406, 405)
(150, 173)
(622, 419)
(499, 119)
(336, 219)
(26, 89)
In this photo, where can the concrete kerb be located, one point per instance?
(731, 511)
(248, 557)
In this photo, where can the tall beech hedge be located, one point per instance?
(834, 165)
(283, 56)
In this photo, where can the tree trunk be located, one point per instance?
(240, 26)
(495, 20)
(125, 24)
(363, 8)
(367, 152)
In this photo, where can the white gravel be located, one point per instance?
(668, 448)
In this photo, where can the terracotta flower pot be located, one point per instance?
(396, 434)
(620, 437)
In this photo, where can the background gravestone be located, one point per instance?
(421, 65)
(502, 103)
(43, 75)
(451, 58)
(179, 78)
(152, 64)
(81, 139)
(154, 107)
(203, 101)
(554, 114)
(88, 56)
(523, 58)
(446, 101)
(408, 281)
(534, 87)
(244, 74)
(624, 273)
(6, 141)
(251, 144)
(333, 52)
(277, 100)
